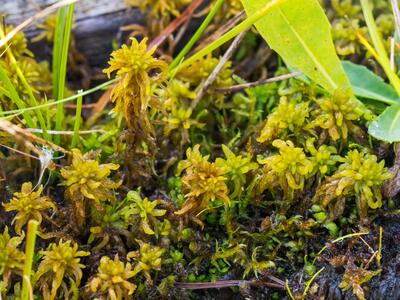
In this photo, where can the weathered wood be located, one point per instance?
(97, 23)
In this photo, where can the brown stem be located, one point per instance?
(210, 80)
(240, 87)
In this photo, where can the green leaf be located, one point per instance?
(368, 85)
(301, 34)
(387, 126)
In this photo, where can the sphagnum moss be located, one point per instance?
(29, 205)
(287, 170)
(148, 258)
(112, 280)
(11, 257)
(360, 175)
(87, 179)
(134, 66)
(143, 209)
(204, 182)
(337, 115)
(251, 201)
(60, 261)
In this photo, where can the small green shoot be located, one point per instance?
(77, 124)
(27, 293)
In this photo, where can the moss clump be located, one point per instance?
(132, 92)
(336, 114)
(203, 182)
(112, 279)
(11, 258)
(288, 118)
(60, 261)
(85, 178)
(287, 170)
(29, 205)
(360, 175)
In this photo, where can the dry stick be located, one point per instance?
(210, 80)
(66, 132)
(224, 283)
(396, 13)
(45, 12)
(240, 87)
(27, 138)
(20, 152)
(188, 12)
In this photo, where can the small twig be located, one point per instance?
(20, 152)
(27, 138)
(370, 260)
(188, 12)
(396, 13)
(369, 247)
(240, 87)
(181, 33)
(210, 80)
(224, 284)
(45, 12)
(65, 132)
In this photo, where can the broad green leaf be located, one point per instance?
(368, 85)
(300, 33)
(387, 126)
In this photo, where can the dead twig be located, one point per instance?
(187, 13)
(226, 283)
(43, 13)
(210, 80)
(396, 13)
(240, 87)
(27, 138)
(65, 132)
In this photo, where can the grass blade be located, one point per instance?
(13, 95)
(61, 47)
(77, 124)
(197, 34)
(378, 44)
(231, 34)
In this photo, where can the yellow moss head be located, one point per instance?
(11, 258)
(289, 117)
(112, 279)
(88, 178)
(134, 66)
(60, 261)
(337, 113)
(29, 205)
(148, 258)
(203, 182)
(287, 170)
(359, 175)
(143, 209)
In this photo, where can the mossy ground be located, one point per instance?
(241, 188)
